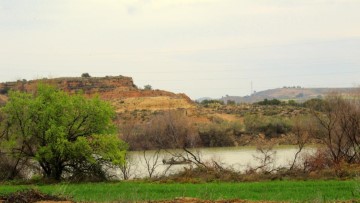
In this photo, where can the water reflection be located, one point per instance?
(238, 158)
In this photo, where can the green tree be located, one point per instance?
(147, 87)
(270, 102)
(85, 75)
(292, 103)
(61, 132)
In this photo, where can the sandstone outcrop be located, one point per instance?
(118, 90)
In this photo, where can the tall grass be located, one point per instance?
(138, 191)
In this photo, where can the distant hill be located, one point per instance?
(292, 93)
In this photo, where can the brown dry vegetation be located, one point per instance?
(196, 200)
(154, 103)
(31, 196)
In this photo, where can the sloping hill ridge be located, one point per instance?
(118, 90)
(297, 94)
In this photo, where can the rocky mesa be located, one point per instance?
(118, 90)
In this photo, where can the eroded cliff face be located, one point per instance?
(89, 85)
(119, 90)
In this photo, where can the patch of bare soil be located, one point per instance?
(195, 200)
(31, 196)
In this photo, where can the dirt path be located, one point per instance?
(195, 200)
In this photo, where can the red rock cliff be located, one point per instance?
(111, 88)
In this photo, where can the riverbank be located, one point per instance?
(318, 190)
(237, 159)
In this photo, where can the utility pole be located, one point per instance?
(251, 90)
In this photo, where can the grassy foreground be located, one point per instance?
(135, 191)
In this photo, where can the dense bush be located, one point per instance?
(220, 134)
(315, 104)
(338, 126)
(4, 90)
(269, 102)
(147, 87)
(293, 103)
(171, 129)
(85, 75)
(230, 102)
(271, 126)
(211, 102)
(174, 130)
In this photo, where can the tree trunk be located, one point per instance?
(52, 171)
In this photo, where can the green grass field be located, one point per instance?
(135, 191)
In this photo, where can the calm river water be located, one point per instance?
(238, 158)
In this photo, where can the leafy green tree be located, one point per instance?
(61, 132)
(85, 75)
(147, 87)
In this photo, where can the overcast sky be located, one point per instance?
(199, 47)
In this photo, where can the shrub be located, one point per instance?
(339, 127)
(171, 129)
(271, 126)
(315, 104)
(269, 102)
(211, 102)
(320, 160)
(4, 90)
(293, 103)
(220, 134)
(85, 75)
(230, 102)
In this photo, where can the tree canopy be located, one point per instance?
(85, 75)
(61, 132)
(270, 102)
(147, 87)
